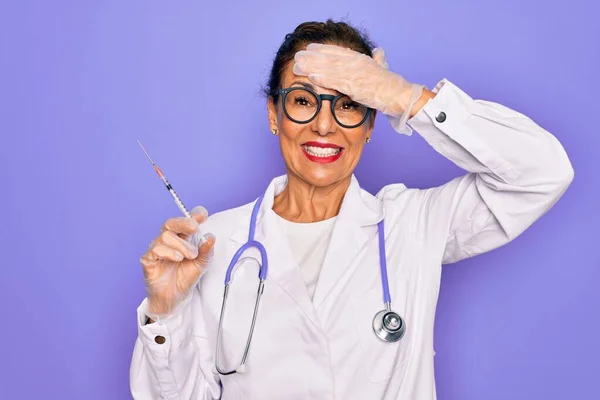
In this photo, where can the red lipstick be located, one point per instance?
(322, 159)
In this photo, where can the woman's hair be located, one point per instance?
(329, 32)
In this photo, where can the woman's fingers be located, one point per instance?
(168, 246)
(171, 245)
(170, 239)
(205, 250)
(183, 226)
(161, 252)
(379, 57)
(330, 49)
(180, 225)
(331, 82)
(199, 213)
(307, 62)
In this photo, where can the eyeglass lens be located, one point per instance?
(302, 105)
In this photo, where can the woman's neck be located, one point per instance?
(303, 202)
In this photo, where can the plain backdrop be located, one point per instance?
(80, 81)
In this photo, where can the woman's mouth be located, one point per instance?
(322, 152)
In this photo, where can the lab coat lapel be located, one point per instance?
(356, 224)
(282, 269)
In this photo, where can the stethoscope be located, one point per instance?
(387, 324)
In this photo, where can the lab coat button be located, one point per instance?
(159, 339)
(441, 117)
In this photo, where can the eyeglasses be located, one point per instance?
(302, 105)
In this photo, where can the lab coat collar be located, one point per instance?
(356, 222)
(359, 207)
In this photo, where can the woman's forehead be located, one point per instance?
(288, 75)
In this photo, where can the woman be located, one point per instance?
(328, 249)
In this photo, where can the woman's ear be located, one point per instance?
(372, 119)
(272, 113)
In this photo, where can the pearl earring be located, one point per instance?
(274, 131)
(368, 139)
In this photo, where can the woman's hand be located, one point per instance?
(364, 79)
(172, 265)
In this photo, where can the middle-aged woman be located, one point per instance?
(322, 330)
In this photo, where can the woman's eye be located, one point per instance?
(349, 105)
(302, 101)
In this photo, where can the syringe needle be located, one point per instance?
(147, 155)
(169, 187)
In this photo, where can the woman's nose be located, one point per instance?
(324, 121)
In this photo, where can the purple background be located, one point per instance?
(80, 81)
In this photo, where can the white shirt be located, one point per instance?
(325, 349)
(308, 243)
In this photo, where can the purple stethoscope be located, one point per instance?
(387, 324)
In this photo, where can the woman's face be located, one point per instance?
(320, 152)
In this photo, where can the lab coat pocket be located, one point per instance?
(381, 359)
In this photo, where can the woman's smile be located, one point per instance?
(323, 153)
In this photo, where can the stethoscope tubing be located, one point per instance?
(252, 243)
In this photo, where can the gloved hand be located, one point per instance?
(364, 79)
(174, 262)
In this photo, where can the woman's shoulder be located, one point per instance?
(397, 191)
(398, 199)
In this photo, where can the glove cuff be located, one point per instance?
(398, 122)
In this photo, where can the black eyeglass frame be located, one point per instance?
(320, 97)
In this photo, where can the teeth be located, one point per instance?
(321, 152)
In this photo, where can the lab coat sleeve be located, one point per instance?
(180, 367)
(516, 171)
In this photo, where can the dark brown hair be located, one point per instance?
(328, 32)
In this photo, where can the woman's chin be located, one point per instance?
(321, 178)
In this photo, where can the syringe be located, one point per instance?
(169, 187)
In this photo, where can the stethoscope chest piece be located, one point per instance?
(388, 326)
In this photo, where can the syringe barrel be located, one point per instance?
(179, 202)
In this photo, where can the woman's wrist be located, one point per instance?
(425, 97)
(401, 97)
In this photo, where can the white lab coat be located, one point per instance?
(326, 349)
